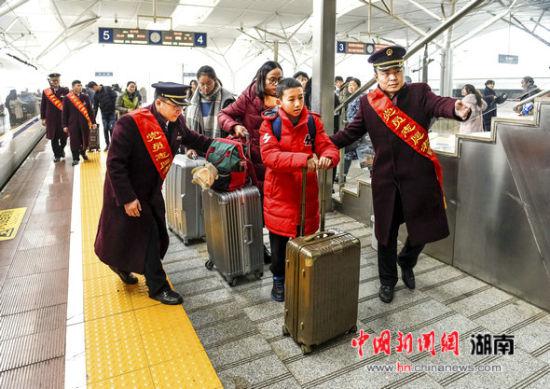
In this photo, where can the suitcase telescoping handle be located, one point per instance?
(303, 201)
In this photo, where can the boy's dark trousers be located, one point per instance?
(278, 254)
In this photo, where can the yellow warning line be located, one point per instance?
(131, 340)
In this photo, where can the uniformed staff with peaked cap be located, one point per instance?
(407, 180)
(132, 235)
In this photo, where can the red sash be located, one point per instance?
(53, 99)
(80, 106)
(405, 128)
(154, 139)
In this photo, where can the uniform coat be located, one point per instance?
(48, 111)
(284, 161)
(121, 240)
(490, 97)
(247, 111)
(79, 132)
(398, 170)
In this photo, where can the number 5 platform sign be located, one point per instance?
(136, 36)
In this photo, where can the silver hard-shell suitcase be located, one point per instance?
(234, 232)
(183, 200)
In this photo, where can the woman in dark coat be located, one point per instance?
(244, 116)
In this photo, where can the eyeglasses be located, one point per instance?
(174, 106)
(274, 81)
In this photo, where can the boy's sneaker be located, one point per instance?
(278, 291)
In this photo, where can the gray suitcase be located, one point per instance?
(234, 232)
(183, 200)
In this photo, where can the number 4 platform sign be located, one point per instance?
(137, 36)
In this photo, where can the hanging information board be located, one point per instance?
(130, 36)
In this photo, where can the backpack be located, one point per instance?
(230, 157)
(277, 129)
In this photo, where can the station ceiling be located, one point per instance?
(33, 29)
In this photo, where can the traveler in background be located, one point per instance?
(129, 100)
(132, 234)
(490, 97)
(338, 82)
(302, 77)
(78, 119)
(473, 100)
(406, 176)
(12, 97)
(207, 102)
(51, 107)
(353, 107)
(105, 99)
(529, 89)
(285, 155)
(193, 87)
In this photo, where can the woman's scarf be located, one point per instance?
(208, 125)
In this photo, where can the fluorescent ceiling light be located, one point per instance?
(192, 13)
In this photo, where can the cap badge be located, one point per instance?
(389, 52)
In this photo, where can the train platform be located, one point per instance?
(67, 321)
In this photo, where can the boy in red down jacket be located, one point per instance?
(291, 138)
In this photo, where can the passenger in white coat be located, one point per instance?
(473, 100)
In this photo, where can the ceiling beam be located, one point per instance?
(410, 25)
(483, 26)
(58, 14)
(426, 10)
(11, 7)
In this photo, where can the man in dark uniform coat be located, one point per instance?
(77, 121)
(405, 186)
(132, 235)
(50, 113)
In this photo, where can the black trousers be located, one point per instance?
(155, 277)
(58, 144)
(278, 254)
(387, 254)
(77, 153)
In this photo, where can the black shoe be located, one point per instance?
(168, 296)
(267, 256)
(57, 159)
(278, 291)
(85, 157)
(386, 293)
(75, 162)
(126, 277)
(407, 275)
(63, 154)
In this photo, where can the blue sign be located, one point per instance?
(105, 35)
(341, 47)
(200, 39)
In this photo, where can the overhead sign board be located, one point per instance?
(355, 48)
(104, 74)
(151, 37)
(509, 59)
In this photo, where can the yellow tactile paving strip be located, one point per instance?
(131, 340)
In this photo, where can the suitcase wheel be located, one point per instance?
(186, 242)
(353, 330)
(232, 282)
(259, 274)
(285, 331)
(305, 349)
(209, 264)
